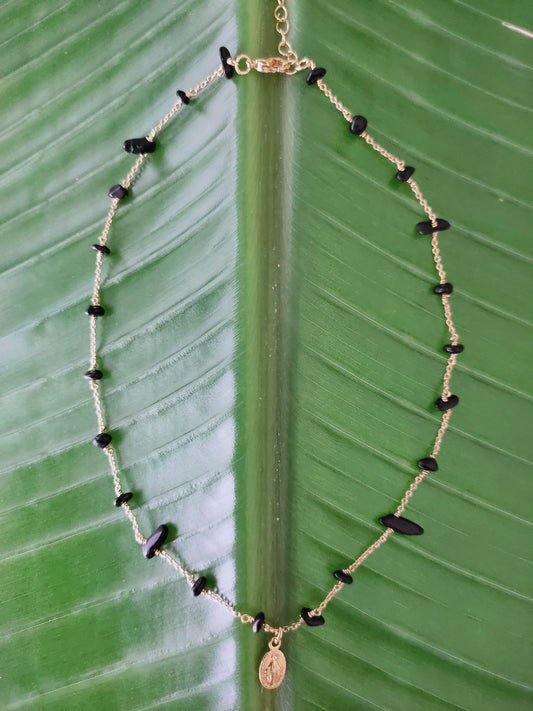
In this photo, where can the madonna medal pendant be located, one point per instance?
(273, 665)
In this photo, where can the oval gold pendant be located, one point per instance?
(272, 669)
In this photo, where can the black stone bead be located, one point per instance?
(311, 620)
(315, 74)
(343, 577)
(444, 405)
(156, 540)
(94, 310)
(229, 71)
(402, 525)
(428, 463)
(444, 288)
(450, 348)
(123, 498)
(93, 375)
(139, 145)
(259, 621)
(405, 174)
(426, 228)
(101, 248)
(183, 96)
(198, 586)
(102, 440)
(118, 191)
(358, 125)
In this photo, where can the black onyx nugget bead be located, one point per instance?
(101, 248)
(259, 621)
(93, 375)
(457, 348)
(156, 540)
(343, 577)
(405, 174)
(315, 74)
(118, 191)
(402, 525)
(426, 227)
(358, 125)
(139, 145)
(102, 440)
(183, 96)
(123, 498)
(429, 463)
(198, 586)
(443, 288)
(229, 70)
(95, 310)
(447, 404)
(311, 620)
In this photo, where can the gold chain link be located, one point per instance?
(287, 63)
(282, 28)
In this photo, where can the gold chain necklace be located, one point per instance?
(273, 665)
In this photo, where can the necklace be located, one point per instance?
(273, 664)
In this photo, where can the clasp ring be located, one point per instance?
(269, 65)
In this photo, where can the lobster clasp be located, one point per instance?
(271, 65)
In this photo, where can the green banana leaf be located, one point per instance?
(272, 350)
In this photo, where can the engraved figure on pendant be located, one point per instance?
(273, 666)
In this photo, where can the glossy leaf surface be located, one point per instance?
(272, 350)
